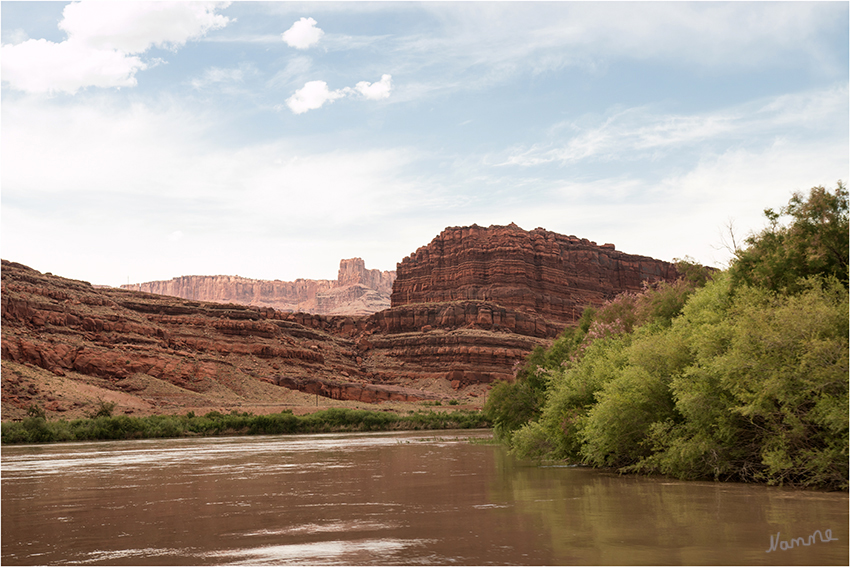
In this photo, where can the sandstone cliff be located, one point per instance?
(167, 354)
(466, 309)
(356, 291)
(542, 272)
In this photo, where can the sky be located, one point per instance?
(145, 141)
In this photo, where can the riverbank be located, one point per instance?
(75, 396)
(37, 429)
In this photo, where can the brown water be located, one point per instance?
(379, 499)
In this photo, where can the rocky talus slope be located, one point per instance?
(356, 291)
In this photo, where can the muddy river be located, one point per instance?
(411, 498)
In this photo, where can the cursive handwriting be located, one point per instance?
(798, 541)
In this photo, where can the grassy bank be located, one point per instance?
(37, 429)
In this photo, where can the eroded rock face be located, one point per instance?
(356, 291)
(542, 272)
(466, 310)
(225, 354)
(358, 392)
(354, 272)
(468, 314)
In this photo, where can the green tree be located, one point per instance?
(815, 242)
(510, 404)
(548, 378)
(736, 375)
(766, 395)
(572, 394)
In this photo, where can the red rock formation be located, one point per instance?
(123, 339)
(354, 272)
(538, 271)
(466, 310)
(461, 315)
(356, 291)
(369, 393)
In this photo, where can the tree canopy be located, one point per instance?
(815, 242)
(733, 375)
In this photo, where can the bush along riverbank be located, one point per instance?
(738, 375)
(36, 429)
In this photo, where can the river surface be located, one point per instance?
(411, 498)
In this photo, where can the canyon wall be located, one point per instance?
(356, 291)
(174, 355)
(542, 272)
(463, 311)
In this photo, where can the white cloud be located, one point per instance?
(40, 66)
(226, 79)
(736, 185)
(75, 172)
(129, 177)
(312, 96)
(15, 37)
(632, 133)
(133, 27)
(104, 39)
(303, 34)
(680, 214)
(169, 152)
(375, 91)
(636, 133)
(469, 50)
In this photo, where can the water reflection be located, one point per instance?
(363, 552)
(376, 499)
(603, 518)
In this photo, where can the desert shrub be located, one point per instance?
(13, 432)
(344, 418)
(102, 409)
(39, 430)
(766, 398)
(532, 441)
(162, 426)
(103, 427)
(746, 384)
(204, 425)
(634, 399)
(34, 410)
(572, 393)
(273, 424)
(443, 420)
(789, 358)
(510, 405)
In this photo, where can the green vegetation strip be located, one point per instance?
(739, 374)
(36, 429)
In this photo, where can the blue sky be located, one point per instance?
(145, 141)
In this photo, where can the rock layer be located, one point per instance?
(228, 354)
(356, 291)
(466, 310)
(542, 272)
